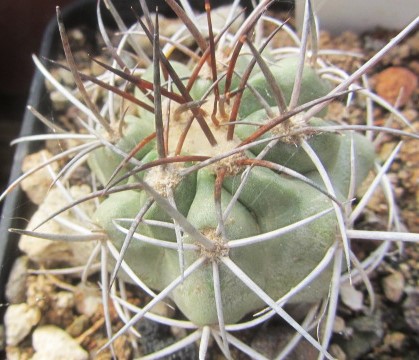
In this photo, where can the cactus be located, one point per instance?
(285, 200)
(227, 189)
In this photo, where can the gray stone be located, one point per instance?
(411, 308)
(367, 333)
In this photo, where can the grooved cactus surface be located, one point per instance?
(268, 201)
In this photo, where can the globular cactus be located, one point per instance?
(271, 198)
(227, 189)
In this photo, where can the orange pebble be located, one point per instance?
(394, 81)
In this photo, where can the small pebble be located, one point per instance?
(19, 321)
(52, 251)
(78, 326)
(52, 343)
(394, 80)
(339, 325)
(351, 297)
(367, 333)
(65, 77)
(15, 353)
(97, 69)
(410, 114)
(2, 338)
(16, 285)
(163, 309)
(88, 300)
(413, 42)
(59, 101)
(411, 308)
(337, 352)
(37, 185)
(405, 269)
(414, 66)
(76, 38)
(393, 286)
(395, 340)
(64, 299)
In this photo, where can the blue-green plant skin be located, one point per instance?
(268, 201)
(104, 161)
(284, 73)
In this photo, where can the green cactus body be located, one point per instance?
(268, 201)
(284, 73)
(104, 161)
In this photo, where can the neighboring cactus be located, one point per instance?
(228, 188)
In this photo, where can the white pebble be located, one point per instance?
(19, 321)
(52, 251)
(52, 343)
(16, 285)
(89, 299)
(351, 297)
(393, 286)
(64, 299)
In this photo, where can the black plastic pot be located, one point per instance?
(17, 207)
